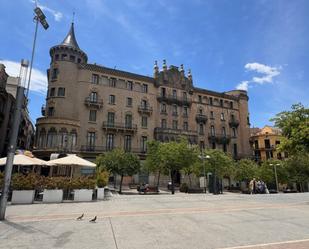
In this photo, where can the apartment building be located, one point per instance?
(91, 109)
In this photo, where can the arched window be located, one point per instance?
(73, 138)
(42, 137)
(51, 138)
(63, 138)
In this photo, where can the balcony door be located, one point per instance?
(128, 121)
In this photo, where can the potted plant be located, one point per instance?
(102, 180)
(83, 188)
(24, 188)
(53, 189)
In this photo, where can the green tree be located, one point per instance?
(266, 172)
(175, 156)
(119, 162)
(220, 164)
(295, 129)
(154, 161)
(298, 169)
(192, 164)
(245, 170)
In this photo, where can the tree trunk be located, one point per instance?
(120, 187)
(173, 183)
(190, 182)
(158, 182)
(115, 178)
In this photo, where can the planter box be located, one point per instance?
(22, 196)
(100, 193)
(52, 195)
(83, 195)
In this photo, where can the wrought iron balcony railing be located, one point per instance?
(94, 103)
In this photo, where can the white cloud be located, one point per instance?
(243, 85)
(38, 78)
(57, 14)
(267, 74)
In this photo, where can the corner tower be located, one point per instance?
(59, 128)
(68, 49)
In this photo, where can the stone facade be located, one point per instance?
(264, 143)
(7, 107)
(91, 109)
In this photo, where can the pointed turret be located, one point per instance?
(70, 39)
(68, 50)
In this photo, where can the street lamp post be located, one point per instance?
(19, 105)
(204, 169)
(276, 176)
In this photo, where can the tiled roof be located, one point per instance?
(116, 72)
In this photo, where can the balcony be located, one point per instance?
(145, 109)
(201, 118)
(101, 149)
(123, 127)
(219, 138)
(94, 103)
(164, 134)
(233, 123)
(170, 99)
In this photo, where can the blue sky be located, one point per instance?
(258, 45)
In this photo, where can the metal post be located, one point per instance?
(214, 183)
(276, 176)
(32, 54)
(203, 159)
(11, 152)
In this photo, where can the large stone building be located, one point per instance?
(265, 143)
(8, 88)
(91, 109)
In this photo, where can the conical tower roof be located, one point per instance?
(70, 39)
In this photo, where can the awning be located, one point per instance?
(72, 160)
(24, 160)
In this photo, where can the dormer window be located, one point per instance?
(54, 73)
(72, 58)
(112, 82)
(145, 88)
(64, 57)
(95, 79)
(174, 94)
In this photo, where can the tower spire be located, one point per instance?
(73, 15)
(70, 39)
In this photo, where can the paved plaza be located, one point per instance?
(181, 221)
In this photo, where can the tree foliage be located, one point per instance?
(219, 162)
(119, 162)
(295, 129)
(298, 169)
(245, 170)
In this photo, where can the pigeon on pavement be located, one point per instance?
(80, 217)
(94, 219)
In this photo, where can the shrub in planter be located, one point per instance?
(53, 189)
(184, 188)
(24, 187)
(102, 181)
(26, 182)
(83, 188)
(82, 183)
